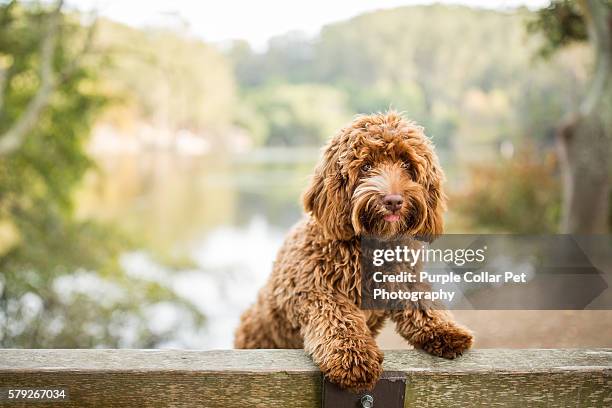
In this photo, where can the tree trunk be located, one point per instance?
(585, 140)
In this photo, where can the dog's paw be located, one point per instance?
(355, 369)
(449, 341)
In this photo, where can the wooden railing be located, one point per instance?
(288, 378)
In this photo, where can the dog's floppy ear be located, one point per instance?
(311, 197)
(435, 199)
(328, 199)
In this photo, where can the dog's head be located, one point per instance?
(379, 176)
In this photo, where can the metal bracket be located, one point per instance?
(388, 393)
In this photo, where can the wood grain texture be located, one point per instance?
(288, 378)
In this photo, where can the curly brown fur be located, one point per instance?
(311, 299)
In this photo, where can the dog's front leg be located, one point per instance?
(338, 339)
(433, 330)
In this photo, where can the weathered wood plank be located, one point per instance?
(162, 378)
(511, 378)
(287, 378)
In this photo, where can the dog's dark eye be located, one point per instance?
(406, 165)
(366, 167)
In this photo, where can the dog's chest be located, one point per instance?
(342, 271)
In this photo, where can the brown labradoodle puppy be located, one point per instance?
(378, 176)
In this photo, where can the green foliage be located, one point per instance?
(42, 243)
(450, 68)
(288, 59)
(561, 23)
(520, 195)
(305, 114)
(168, 78)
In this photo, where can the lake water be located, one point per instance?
(210, 226)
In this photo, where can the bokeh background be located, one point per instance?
(152, 154)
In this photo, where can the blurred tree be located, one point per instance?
(247, 64)
(518, 195)
(171, 80)
(61, 283)
(14, 135)
(289, 58)
(585, 138)
(416, 45)
(480, 93)
(304, 114)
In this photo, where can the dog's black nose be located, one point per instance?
(393, 202)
